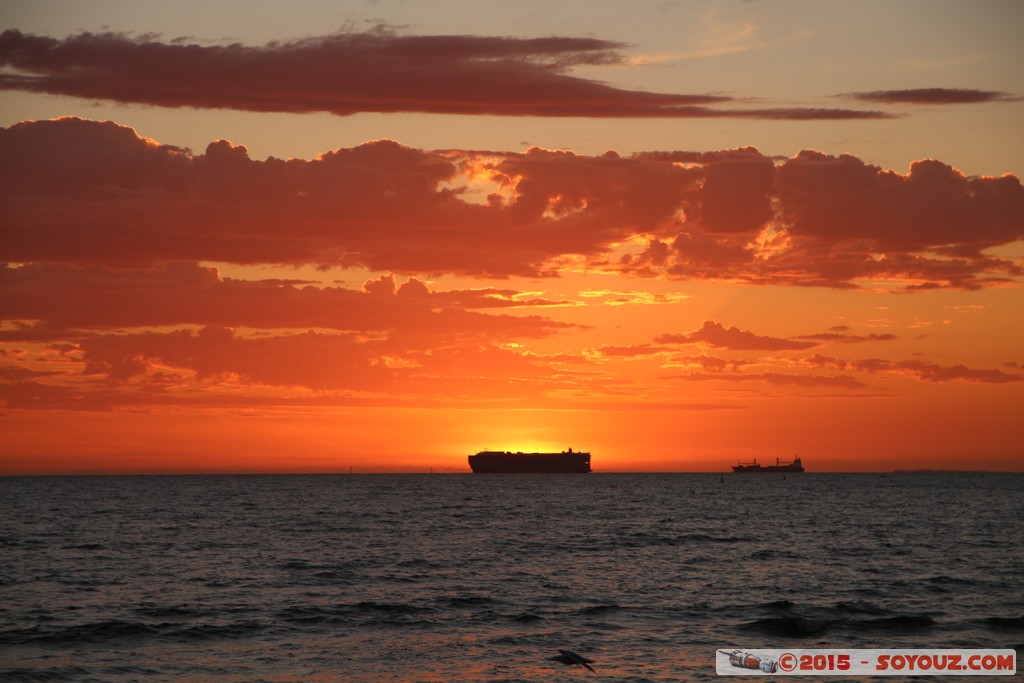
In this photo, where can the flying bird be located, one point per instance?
(571, 658)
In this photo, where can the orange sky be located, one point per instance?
(384, 248)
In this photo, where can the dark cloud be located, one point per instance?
(918, 369)
(313, 360)
(717, 335)
(18, 374)
(713, 363)
(931, 207)
(837, 220)
(60, 297)
(634, 351)
(931, 96)
(844, 338)
(735, 195)
(780, 379)
(86, 192)
(347, 73)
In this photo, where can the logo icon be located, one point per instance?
(746, 660)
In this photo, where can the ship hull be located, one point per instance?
(499, 462)
(795, 467)
(757, 469)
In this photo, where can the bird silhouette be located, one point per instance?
(573, 659)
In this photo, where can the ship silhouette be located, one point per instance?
(507, 462)
(794, 467)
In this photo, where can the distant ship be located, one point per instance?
(506, 462)
(794, 467)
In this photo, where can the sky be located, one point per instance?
(381, 236)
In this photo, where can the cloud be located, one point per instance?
(633, 351)
(313, 360)
(779, 379)
(29, 395)
(913, 369)
(213, 363)
(17, 374)
(931, 96)
(840, 337)
(179, 334)
(917, 369)
(347, 73)
(63, 297)
(86, 192)
(735, 195)
(714, 363)
(716, 335)
(837, 220)
(380, 205)
(609, 297)
(933, 206)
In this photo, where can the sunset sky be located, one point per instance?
(312, 236)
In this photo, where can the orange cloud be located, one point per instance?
(219, 366)
(346, 73)
(96, 337)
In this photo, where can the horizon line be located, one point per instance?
(404, 472)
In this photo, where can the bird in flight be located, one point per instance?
(571, 658)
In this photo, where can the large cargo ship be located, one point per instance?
(506, 462)
(794, 467)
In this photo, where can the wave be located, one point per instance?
(116, 629)
(1004, 624)
(239, 629)
(642, 540)
(526, 618)
(861, 607)
(423, 564)
(85, 546)
(83, 633)
(788, 627)
(60, 673)
(366, 613)
(304, 572)
(599, 609)
(791, 620)
(901, 623)
(947, 584)
(771, 554)
(457, 601)
(183, 612)
(950, 580)
(390, 607)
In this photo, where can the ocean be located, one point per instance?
(449, 577)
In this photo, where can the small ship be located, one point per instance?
(507, 462)
(794, 467)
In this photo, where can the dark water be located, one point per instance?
(482, 578)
